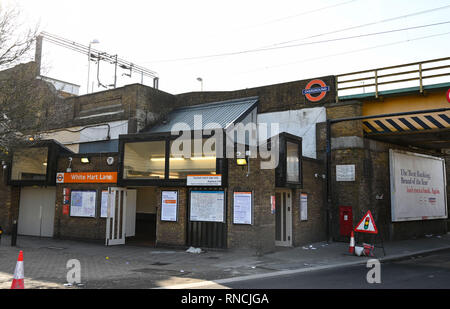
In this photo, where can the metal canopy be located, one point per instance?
(215, 115)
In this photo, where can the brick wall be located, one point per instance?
(278, 97)
(314, 228)
(261, 234)
(172, 233)
(9, 204)
(67, 227)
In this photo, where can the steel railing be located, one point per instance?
(377, 77)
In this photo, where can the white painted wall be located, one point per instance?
(99, 133)
(301, 122)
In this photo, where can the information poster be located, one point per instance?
(207, 206)
(303, 207)
(169, 205)
(242, 208)
(345, 172)
(83, 203)
(272, 204)
(104, 204)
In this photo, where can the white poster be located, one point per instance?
(303, 207)
(207, 206)
(418, 186)
(104, 205)
(242, 208)
(345, 172)
(83, 203)
(169, 204)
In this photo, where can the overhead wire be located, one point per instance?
(346, 52)
(274, 46)
(315, 42)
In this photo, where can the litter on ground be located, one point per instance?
(194, 250)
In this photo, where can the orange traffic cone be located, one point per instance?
(352, 243)
(18, 281)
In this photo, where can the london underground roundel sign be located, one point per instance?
(321, 90)
(448, 96)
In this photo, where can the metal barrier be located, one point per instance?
(410, 72)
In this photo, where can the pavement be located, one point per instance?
(134, 267)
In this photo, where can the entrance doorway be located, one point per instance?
(36, 211)
(131, 216)
(283, 218)
(120, 221)
(146, 202)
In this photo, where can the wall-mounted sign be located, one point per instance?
(93, 177)
(104, 204)
(204, 180)
(169, 205)
(242, 208)
(303, 206)
(448, 96)
(310, 92)
(272, 204)
(207, 206)
(345, 172)
(83, 203)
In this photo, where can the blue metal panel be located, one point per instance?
(101, 146)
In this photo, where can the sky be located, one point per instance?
(184, 40)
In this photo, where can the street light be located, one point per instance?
(95, 41)
(201, 82)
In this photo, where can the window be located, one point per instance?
(201, 161)
(292, 162)
(288, 173)
(144, 160)
(30, 164)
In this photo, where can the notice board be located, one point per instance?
(303, 207)
(242, 208)
(83, 203)
(104, 204)
(207, 206)
(169, 205)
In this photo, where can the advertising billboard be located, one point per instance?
(418, 186)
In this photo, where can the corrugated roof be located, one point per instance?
(221, 113)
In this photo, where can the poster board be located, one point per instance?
(207, 206)
(418, 186)
(83, 203)
(104, 204)
(169, 206)
(242, 208)
(303, 207)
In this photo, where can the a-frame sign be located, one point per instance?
(367, 225)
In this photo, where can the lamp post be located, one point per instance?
(201, 83)
(95, 41)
